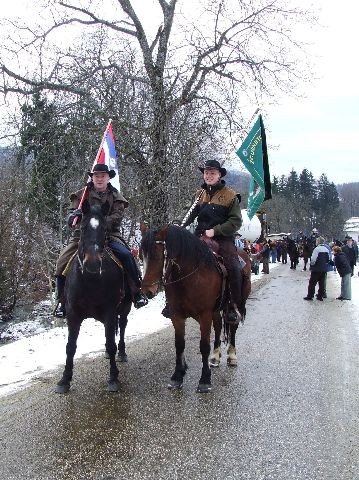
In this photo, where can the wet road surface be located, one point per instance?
(290, 409)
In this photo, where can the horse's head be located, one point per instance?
(93, 235)
(153, 256)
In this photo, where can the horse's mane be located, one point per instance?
(183, 246)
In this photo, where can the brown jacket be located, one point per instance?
(117, 202)
(117, 206)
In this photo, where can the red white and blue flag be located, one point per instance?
(107, 154)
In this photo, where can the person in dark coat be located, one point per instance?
(318, 267)
(100, 191)
(350, 252)
(344, 269)
(265, 253)
(284, 251)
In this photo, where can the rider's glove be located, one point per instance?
(76, 213)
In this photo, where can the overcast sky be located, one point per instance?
(318, 132)
(321, 131)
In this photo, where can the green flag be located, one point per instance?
(253, 153)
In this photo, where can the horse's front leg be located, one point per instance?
(215, 358)
(74, 324)
(204, 385)
(122, 323)
(111, 348)
(176, 381)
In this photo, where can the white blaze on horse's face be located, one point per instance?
(94, 223)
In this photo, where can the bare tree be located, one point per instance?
(229, 55)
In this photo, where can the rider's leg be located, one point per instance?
(133, 274)
(228, 251)
(62, 261)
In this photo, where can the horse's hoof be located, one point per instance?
(122, 357)
(175, 385)
(204, 388)
(214, 362)
(62, 388)
(232, 362)
(113, 386)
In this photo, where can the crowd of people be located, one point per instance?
(265, 251)
(338, 256)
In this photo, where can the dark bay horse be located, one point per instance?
(307, 250)
(293, 253)
(95, 288)
(193, 285)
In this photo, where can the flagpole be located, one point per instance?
(94, 163)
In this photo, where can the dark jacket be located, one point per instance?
(319, 259)
(265, 252)
(218, 208)
(350, 253)
(342, 264)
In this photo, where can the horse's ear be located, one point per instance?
(144, 228)
(85, 206)
(105, 208)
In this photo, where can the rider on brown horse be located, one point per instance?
(219, 217)
(99, 191)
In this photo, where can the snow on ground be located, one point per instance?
(42, 350)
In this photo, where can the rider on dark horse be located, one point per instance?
(218, 214)
(99, 192)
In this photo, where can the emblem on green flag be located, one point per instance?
(253, 154)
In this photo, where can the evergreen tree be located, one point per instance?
(328, 213)
(292, 185)
(307, 188)
(275, 185)
(41, 151)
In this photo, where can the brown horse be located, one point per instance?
(193, 285)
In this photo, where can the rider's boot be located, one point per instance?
(59, 310)
(139, 298)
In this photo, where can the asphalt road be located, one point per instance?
(290, 409)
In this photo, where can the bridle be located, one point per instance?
(167, 264)
(81, 263)
(81, 260)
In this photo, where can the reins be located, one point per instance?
(167, 263)
(181, 278)
(82, 264)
